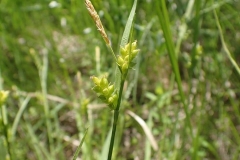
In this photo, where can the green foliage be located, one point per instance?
(50, 49)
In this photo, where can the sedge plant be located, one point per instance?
(109, 93)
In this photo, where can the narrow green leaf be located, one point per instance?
(80, 145)
(124, 41)
(224, 44)
(19, 114)
(165, 23)
(105, 147)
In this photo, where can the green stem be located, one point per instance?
(115, 120)
(5, 129)
(112, 52)
(3, 114)
(45, 101)
(164, 21)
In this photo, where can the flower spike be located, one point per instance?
(127, 54)
(105, 91)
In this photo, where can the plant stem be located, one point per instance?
(115, 120)
(45, 101)
(5, 130)
(164, 21)
(3, 114)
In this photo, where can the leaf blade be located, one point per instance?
(124, 41)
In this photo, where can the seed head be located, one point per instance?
(97, 20)
(127, 54)
(105, 91)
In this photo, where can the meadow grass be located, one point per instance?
(181, 101)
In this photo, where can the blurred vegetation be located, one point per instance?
(59, 40)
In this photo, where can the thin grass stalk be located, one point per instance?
(235, 65)
(45, 101)
(35, 143)
(5, 130)
(196, 28)
(86, 147)
(183, 27)
(164, 20)
(115, 120)
(80, 145)
(3, 112)
(18, 116)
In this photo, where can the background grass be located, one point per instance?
(48, 54)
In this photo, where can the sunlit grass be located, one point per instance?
(189, 102)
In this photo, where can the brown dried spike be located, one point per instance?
(97, 20)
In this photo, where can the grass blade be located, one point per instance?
(164, 21)
(124, 41)
(224, 44)
(145, 128)
(19, 114)
(80, 145)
